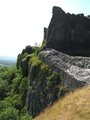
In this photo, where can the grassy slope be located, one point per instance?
(75, 106)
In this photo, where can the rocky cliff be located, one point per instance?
(51, 70)
(69, 33)
(75, 70)
(51, 75)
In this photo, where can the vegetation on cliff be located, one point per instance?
(29, 87)
(15, 84)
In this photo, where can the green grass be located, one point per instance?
(35, 60)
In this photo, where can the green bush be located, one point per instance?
(53, 79)
(35, 60)
(3, 88)
(3, 105)
(16, 84)
(44, 72)
(23, 89)
(17, 102)
(26, 117)
(9, 114)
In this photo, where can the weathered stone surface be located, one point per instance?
(88, 16)
(69, 33)
(28, 50)
(24, 65)
(75, 70)
(22, 61)
(44, 87)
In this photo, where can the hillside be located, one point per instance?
(75, 106)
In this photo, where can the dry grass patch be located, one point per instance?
(74, 106)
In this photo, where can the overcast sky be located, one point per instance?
(22, 21)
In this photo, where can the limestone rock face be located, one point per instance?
(69, 33)
(74, 71)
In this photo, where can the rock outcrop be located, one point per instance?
(54, 71)
(69, 33)
(74, 71)
(52, 75)
(44, 87)
(28, 50)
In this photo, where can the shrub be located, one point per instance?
(17, 102)
(3, 105)
(26, 117)
(53, 79)
(23, 89)
(3, 89)
(9, 114)
(16, 84)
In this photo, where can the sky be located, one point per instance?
(22, 21)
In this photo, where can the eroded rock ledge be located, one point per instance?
(75, 70)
